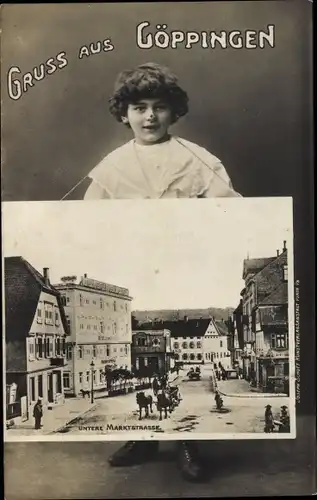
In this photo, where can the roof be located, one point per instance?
(253, 266)
(222, 327)
(23, 285)
(181, 328)
(278, 296)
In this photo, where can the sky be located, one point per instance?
(170, 254)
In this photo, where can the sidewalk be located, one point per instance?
(54, 419)
(240, 388)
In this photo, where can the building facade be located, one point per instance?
(265, 322)
(99, 319)
(215, 344)
(35, 334)
(152, 352)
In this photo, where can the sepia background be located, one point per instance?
(248, 107)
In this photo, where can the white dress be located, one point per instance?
(176, 168)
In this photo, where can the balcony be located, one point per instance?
(150, 349)
(57, 360)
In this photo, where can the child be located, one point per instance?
(155, 164)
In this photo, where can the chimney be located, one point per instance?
(46, 275)
(284, 245)
(277, 253)
(85, 275)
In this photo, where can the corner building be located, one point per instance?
(99, 319)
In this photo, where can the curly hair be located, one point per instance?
(146, 81)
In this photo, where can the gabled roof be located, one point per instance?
(181, 328)
(23, 285)
(221, 327)
(253, 266)
(277, 296)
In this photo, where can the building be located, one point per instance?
(265, 322)
(236, 334)
(99, 319)
(35, 333)
(187, 339)
(152, 352)
(215, 344)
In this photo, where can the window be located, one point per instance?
(100, 374)
(63, 300)
(185, 356)
(220, 343)
(58, 346)
(68, 322)
(88, 327)
(102, 327)
(114, 349)
(199, 356)
(191, 345)
(114, 327)
(40, 347)
(285, 272)
(141, 341)
(176, 345)
(87, 301)
(206, 355)
(39, 314)
(192, 357)
(108, 350)
(114, 305)
(32, 389)
(121, 349)
(47, 347)
(80, 376)
(67, 300)
(31, 348)
(40, 386)
(81, 326)
(87, 376)
(48, 313)
(127, 329)
(69, 352)
(184, 345)
(198, 345)
(125, 349)
(102, 305)
(176, 356)
(66, 380)
(279, 341)
(94, 353)
(80, 352)
(95, 327)
(81, 301)
(94, 302)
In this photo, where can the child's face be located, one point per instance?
(150, 120)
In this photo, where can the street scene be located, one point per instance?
(91, 359)
(197, 412)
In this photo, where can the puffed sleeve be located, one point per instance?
(218, 185)
(96, 192)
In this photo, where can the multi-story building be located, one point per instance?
(215, 344)
(99, 318)
(35, 332)
(236, 338)
(187, 339)
(152, 352)
(265, 321)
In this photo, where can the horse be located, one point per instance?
(85, 392)
(144, 401)
(164, 402)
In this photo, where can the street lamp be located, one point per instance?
(92, 366)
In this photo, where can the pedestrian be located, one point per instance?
(154, 164)
(285, 420)
(38, 413)
(269, 421)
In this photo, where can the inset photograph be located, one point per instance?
(140, 320)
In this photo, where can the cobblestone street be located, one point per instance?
(244, 411)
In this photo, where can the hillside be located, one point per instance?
(172, 314)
